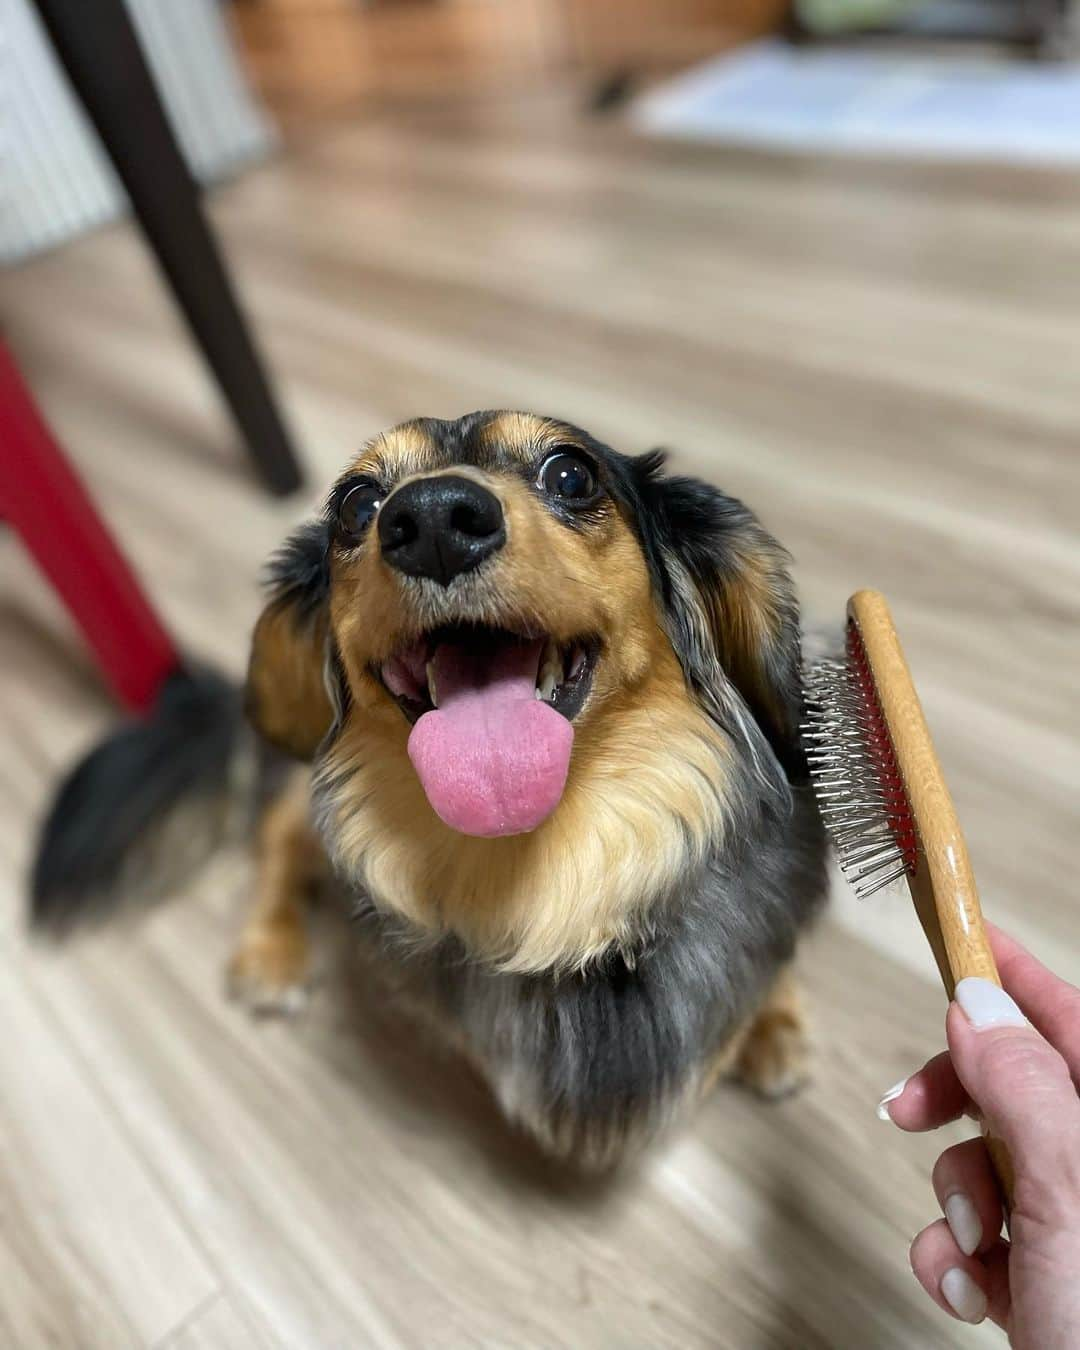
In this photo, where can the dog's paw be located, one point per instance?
(775, 1058)
(270, 977)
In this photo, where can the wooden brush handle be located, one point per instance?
(943, 884)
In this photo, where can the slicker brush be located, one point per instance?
(884, 801)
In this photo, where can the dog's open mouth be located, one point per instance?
(493, 717)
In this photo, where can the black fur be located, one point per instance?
(299, 572)
(596, 1062)
(681, 523)
(110, 811)
(694, 538)
(107, 837)
(709, 533)
(592, 1061)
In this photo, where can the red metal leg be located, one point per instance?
(44, 500)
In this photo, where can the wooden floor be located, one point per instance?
(886, 364)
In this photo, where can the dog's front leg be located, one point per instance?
(770, 1052)
(270, 967)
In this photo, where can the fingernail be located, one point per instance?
(987, 1005)
(964, 1222)
(963, 1295)
(890, 1096)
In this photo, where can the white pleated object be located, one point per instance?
(55, 179)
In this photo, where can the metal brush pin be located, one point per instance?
(855, 780)
(884, 801)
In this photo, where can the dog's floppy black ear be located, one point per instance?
(287, 698)
(729, 600)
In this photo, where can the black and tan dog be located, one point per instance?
(551, 697)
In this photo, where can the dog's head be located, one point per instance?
(529, 615)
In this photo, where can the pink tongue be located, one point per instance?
(491, 757)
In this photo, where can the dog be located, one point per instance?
(550, 699)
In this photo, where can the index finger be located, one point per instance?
(931, 1097)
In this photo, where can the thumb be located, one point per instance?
(1018, 1080)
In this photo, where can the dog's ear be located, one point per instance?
(729, 602)
(286, 696)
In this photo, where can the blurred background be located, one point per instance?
(829, 253)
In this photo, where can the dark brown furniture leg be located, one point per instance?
(100, 51)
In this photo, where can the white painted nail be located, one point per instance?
(985, 1005)
(964, 1222)
(890, 1096)
(963, 1295)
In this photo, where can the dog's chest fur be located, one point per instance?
(590, 1061)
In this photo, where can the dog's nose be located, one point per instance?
(440, 527)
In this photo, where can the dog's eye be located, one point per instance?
(358, 506)
(568, 476)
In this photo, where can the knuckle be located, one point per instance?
(1047, 1195)
(960, 1167)
(1024, 1058)
(945, 1167)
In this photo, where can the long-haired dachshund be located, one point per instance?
(550, 696)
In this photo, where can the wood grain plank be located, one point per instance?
(218, 1325)
(95, 1251)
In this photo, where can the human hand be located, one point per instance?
(1019, 1075)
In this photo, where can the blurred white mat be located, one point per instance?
(874, 102)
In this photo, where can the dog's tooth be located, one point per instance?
(550, 672)
(430, 672)
(577, 660)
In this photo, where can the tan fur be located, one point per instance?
(555, 898)
(652, 779)
(397, 454)
(745, 621)
(770, 1051)
(774, 1057)
(286, 696)
(558, 581)
(271, 963)
(526, 435)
